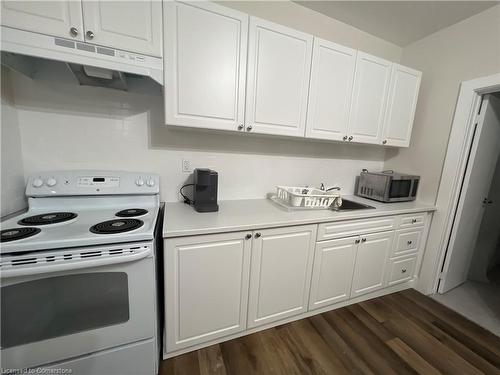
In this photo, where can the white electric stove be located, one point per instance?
(78, 274)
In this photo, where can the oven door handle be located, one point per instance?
(39, 268)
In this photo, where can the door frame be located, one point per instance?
(452, 177)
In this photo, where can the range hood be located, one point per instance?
(91, 64)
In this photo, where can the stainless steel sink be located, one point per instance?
(348, 205)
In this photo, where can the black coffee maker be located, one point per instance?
(205, 190)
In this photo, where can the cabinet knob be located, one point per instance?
(248, 236)
(350, 138)
(249, 128)
(257, 235)
(413, 221)
(403, 270)
(73, 32)
(90, 34)
(240, 127)
(384, 141)
(363, 240)
(357, 241)
(409, 242)
(345, 138)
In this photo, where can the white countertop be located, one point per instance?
(250, 214)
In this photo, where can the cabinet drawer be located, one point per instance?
(407, 242)
(401, 270)
(354, 227)
(409, 221)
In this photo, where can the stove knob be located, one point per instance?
(37, 182)
(51, 181)
(139, 182)
(150, 182)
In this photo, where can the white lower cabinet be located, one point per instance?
(206, 287)
(281, 273)
(371, 261)
(332, 271)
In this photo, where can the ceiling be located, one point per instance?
(399, 22)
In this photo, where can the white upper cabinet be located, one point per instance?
(330, 90)
(205, 65)
(371, 84)
(400, 112)
(280, 273)
(279, 63)
(134, 26)
(61, 18)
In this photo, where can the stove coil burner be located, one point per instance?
(116, 226)
(49, 218)
(132, 212)
(18, 233)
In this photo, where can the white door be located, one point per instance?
(332, 271)
(330, 90)
(279, 64)
(61, 18)
(371, 262)
(281, 273)
(371, 85)
(205, 65)
(206, 287)
(400, 112)
(477, 181)
(134, 26)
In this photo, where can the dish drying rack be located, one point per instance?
(305, 198)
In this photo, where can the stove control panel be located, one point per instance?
(74, 183)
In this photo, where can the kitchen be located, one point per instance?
(50, 123)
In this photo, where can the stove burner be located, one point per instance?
(116, 226)
(18, 233)
(49, 218)
(132, 212)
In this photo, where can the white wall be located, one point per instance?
(65, 126)
(12, 176)
(464, 51)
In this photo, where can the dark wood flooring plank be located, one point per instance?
(427, 346)
(479, 334)
(281, 357)
(184, 364)
(351, 360)
(210, 361)
(419, 364)
(478, 356)
(380, 358)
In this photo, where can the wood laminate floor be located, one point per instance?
(401, 333)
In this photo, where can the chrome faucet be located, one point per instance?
(322, 187)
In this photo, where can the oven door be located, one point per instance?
(400, 190)
(55, 307)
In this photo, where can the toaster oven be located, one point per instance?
(388, 186)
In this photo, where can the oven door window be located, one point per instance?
(400, 189)
(62, 305)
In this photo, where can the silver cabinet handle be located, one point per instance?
(413, 221)
(357, 241)
(345, 138)
(350, 138)
(403, 270)
(384, 141)
(249, 128)
(240, 127)
(409, 242)
(73, 32)
(363, 240)
(257, 235)
(90, 34)
(248, 236)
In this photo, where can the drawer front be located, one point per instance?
(410, 221)
(407, 242)
(401, 270)
(350, 228)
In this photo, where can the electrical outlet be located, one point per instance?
(186, 166)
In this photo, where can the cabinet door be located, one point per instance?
(279, 63)
(281, 273)
(330, 90)
(205, 65)
(371, 84)
(332, 271)
(45, 17)
(371, 261)
(206, 286)
(403, 94)
(134, 26)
